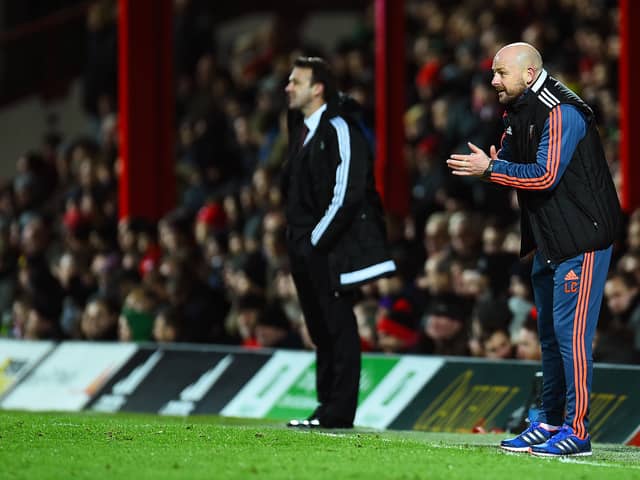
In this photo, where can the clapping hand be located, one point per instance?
(473, 164)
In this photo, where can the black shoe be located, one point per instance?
(311, 422)
(315, 422)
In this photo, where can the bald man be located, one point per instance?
(570, 215)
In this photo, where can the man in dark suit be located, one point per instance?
(336, 236)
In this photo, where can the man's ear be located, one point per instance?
(530, 75)
(318, 89)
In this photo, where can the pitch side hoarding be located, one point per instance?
(408, 392)
(179, 380)
(69, 377)
(17, 359)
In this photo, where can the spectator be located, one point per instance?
(436, 234)
(397, 328)
(19, 314)
(520, 295)
(527, 341)
(437, 278)
(42, 322)
(8, 268)
(465, 239)
(76, 285)
(630, 263)
(245, 318)
(496, 343)
(443, 328)
(488, 317)
(365, 312)
(273, 329)
(136, 317)
(214, 252)
(622, 295)
(100, 319)
(168, 325)
(203, 310)
(210, 220)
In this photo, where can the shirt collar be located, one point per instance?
(523, 100)
(312, 122)
(539, 81)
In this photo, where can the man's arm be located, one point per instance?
(562, 132)
(349, 184)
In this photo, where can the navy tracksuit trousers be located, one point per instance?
(568, 297)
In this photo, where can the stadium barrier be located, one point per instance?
(407, 392)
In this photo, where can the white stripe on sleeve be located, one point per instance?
(342, 178)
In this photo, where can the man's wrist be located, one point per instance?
(486, 175)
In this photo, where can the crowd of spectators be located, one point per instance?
(215, 269)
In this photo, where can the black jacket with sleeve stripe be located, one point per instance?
(332, 205)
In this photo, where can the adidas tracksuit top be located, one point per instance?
(552, 154)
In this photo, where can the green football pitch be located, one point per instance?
(95, 446)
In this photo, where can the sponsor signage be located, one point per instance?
(240, 368)
(615, 396)
(405, 392)
(634, 438)
(17, 358)
(299, 399)
(271, 383)
(194, 392)
(179, 380)
(466, 394)
(116, 392)
(285, 388)
(394, 391)
(69, 377)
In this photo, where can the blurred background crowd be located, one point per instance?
(215, 268)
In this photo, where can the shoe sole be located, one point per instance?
(579, 454)
(515, 449)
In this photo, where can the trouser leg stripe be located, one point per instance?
(582, 413)
(579, 353)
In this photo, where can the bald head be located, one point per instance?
(515, 67)
(522, 54)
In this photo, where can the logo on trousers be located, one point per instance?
(571, 282)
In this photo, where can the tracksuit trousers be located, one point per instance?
(568, 297)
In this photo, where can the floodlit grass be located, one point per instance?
(95, 446)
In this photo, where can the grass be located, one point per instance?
(96, 446)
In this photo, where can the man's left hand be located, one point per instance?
(472, 165)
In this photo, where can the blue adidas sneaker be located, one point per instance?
(535, 434)
(563, 444)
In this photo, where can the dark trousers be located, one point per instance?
(568, 298)
(332, 326)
